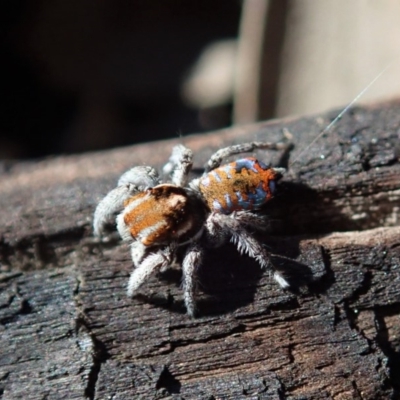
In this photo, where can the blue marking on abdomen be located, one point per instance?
(245, 204)
(272, 186)
(229, 204)
(259, 197)
(216, 176)
(245, 163)
(263, 165)
(205, 181)
(227, 170)
(217, 206)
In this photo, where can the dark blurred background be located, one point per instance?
(83, 75)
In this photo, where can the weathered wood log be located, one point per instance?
(69, 331)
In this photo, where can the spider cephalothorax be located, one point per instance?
(160, 215)
(220, 205)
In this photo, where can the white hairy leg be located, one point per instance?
(110, 205)
(131, 182)
(179, 165)
(217, 158)
(138, 251)
(251, 220)
(245, 242)
(142, 176)
(190, 264)
(151, 263)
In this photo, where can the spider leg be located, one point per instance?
(111, 204)
(214, 235)
(251, 220)
(217, 158)
(141, 176)
(152, 262)
(179, 165)
(190, 263)
(138, 252)
(131, 182)
(245, 242)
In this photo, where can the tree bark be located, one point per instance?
(68, 331)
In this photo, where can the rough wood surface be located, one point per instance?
(68, 331)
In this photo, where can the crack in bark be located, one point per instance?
(99, 351)
(384, 342)
(24, 307)
(339, 189)
(174, 344)
(40, 250)
(167, 381)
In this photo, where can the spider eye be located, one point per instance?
(272, 186)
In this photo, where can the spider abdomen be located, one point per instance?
(159, 215)
(245, 184)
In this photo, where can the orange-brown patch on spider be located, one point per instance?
(161, 214)
(239, 185)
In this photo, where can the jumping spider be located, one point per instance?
(206, 212)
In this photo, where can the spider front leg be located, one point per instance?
(154, 261)
(179, 165)
(130, 183)
(142, 176)
(244, 241)
(217, 158)
(111, 204)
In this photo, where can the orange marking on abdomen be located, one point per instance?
(229, 188)
(161, 214)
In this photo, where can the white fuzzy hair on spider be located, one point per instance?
(220, 206)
